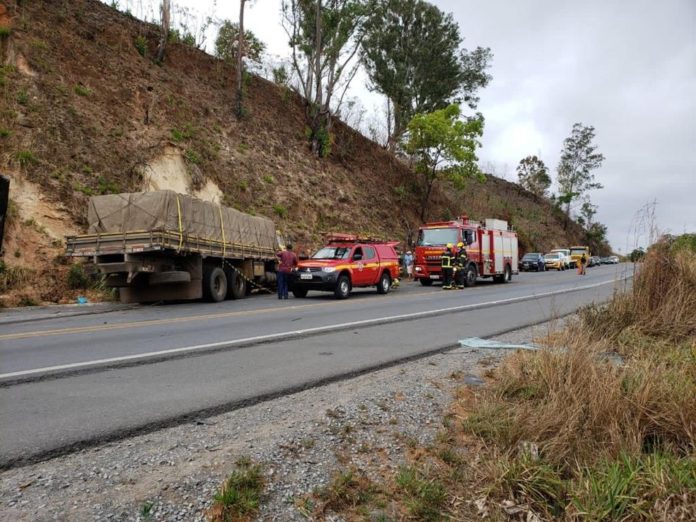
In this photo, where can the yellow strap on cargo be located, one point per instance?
(222, 227)
(181, 228)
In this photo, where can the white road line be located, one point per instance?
(295, 333)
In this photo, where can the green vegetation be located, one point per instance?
(425, 76)
(424, 495)
(26, 158)
(280, 211)
(81, 90)
(444, 146)
(105, 186)
(5, 32)
(192, 156)
(77, 279)
(141, 45)
(14, 277)
(22, 97)
(534, 175)
(241, 493)
(184, 133)
(226, 43)
(268, 179)
(5, 133)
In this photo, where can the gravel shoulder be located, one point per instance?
(302, 440)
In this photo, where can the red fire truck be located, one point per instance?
(491, 247)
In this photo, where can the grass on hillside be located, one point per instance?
(599, 425)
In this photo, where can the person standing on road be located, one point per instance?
(447, 269)
(408, 265)
(460, 262)
(582, 266)
(288, 261)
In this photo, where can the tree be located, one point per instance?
(637, 254)
(587, 213)
(165, 17)
(411, 52)
(534, 175)
(227, 43)
(579, 158)
(325, 36)
(444, 147)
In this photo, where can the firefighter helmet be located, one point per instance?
(460, 244)
(449, 245)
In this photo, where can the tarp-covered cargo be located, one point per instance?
(183, 215)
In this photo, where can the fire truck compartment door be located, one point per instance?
(498, 250)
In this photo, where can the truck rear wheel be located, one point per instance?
(236, 285)
(214, 284)
(505, 277)
(342, 290)
(426, 282)
(384, 283)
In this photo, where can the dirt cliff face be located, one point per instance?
(85, 110)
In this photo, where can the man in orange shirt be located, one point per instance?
(288, 261)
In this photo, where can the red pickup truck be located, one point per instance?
(347, 262)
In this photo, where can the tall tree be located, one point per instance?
(579, 159)
(325, 36)
(227, 41)
(587, 213)
(534, 175)
(444, 147)
(412, 55)
(165, 20)
(239, 108)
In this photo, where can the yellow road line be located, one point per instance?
(155, 322)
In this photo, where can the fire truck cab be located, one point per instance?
(490, 245)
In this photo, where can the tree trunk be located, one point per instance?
(317, 102)
(165, 12)
(239, 109)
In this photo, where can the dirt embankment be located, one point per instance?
(86, 110)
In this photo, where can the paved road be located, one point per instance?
(76, 380)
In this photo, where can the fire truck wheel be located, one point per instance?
(299, 292)
(384, 284)
(505, 277)
(342, 290)
(470, 276)
(426, 282)
(214, 284)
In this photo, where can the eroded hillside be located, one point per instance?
(85, 110)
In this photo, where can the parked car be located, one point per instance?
(613, 260)
(605, 260)
(532, 261)
(554, 260)
(595, 261)
(565, 255)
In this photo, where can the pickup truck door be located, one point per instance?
(357, 261)
(371, 265)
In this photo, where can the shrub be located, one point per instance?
(5, 32)
(141, 45)
(22, 97)
(5, 133)
(77, 279)
(280, 211)
(268, 179)
(192, 156)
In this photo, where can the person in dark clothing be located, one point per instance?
(288, 261)
(447, 263)
(460, 262)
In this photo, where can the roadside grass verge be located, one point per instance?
(240, 495)
(600, 424)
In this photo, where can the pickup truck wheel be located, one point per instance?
(299, 292)
(342, 290)
(384, 284)
(470, 276)
(214, 284)
(236, 285)
(426, 282)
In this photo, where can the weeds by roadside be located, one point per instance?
(240, 495)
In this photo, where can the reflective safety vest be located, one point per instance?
(446, 260)
(461, 257)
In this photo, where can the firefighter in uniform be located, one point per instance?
(447, 263)
(460, 264)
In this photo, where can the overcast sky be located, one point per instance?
(628, 68)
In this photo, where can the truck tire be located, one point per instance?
(505, 277)
(342, 290)
(214, 284)
(236, 285)
(384, 283)
(299, 292)
(470, 276)
(426, 282)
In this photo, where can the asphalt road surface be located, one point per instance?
(73, 379)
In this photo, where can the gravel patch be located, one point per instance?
(302, 440)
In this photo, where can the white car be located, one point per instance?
(614, 260)
(565, 253)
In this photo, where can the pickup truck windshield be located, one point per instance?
(437, 236)
(577, 251)
(332, 253)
